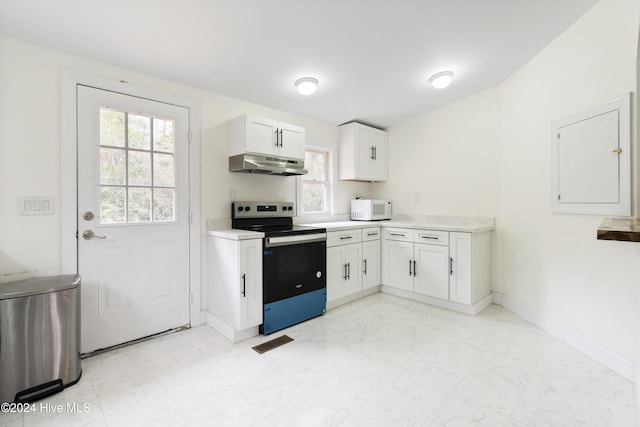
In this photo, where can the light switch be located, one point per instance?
(36, 205)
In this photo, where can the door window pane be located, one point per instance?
(163, 135)
(112, 128)
(139, 132)
(139, 204)
(112, 166)
(163, 203)
(112, 205)
(163, 173)
(139, 168)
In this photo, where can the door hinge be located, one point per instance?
(617, 150)
(558, 135)
(558, 196)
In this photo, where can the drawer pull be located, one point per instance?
(346, 237)
(398, 234)
(375, 233)
(430, 237)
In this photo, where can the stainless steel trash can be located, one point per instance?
(39, 337)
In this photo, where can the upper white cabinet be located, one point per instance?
(258, 135)
(362, 153)
(591, 160)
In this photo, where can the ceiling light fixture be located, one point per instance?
(441, 80)
(306, 85)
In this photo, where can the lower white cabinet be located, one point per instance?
(234, 279)
(449, 266)
(344, 254)
(343, 270)
(371, 259)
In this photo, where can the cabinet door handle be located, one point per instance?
(365, 266)
(244, 285)
(344, 271)
(375, 153)
(410, 272)
(372, 154)
(280, 138)
(450, 266)
(348, 271)
(276, 135)
(414, 268)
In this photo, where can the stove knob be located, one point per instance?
(284, 208)
(240, 208)
(247, 209)
(290, 208)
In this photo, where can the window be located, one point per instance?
(315, 187)
(137, 173)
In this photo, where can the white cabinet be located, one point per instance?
(370, 257)
(453, 267)
(362, 153)
(417, 267)
(470, 279)
(234, 279)
(344, 255)
(258, 135)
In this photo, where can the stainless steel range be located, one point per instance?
(294, 263)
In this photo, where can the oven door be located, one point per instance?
(293, 265)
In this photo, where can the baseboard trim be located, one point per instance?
(471, 310)
(611, 360)
(229, 332)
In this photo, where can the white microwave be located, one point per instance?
(370, 210)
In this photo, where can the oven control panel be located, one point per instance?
(262, 209)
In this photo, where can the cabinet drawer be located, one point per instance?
(372, 233)
(336, 238)
(432, 237)
(401, 234)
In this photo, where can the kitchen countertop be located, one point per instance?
(233, 234)
(446, 223)
(620, 229)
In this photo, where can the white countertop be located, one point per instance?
(446, 223)
(233, 234)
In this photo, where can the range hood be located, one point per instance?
(266, 165)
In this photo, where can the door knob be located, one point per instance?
(89, 234)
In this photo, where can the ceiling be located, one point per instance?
(373, 58)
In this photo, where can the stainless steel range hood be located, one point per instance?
(266, 165)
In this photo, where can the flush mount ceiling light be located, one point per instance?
(441, 80)
(306, 85)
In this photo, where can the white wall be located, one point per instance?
(490, 155)
(553, 264)
(30, 117)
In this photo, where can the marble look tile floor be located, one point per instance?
(379, 361)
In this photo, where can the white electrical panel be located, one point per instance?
(36, 205)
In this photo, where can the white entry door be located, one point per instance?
(133, 217)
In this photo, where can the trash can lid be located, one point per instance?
(38, 285)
